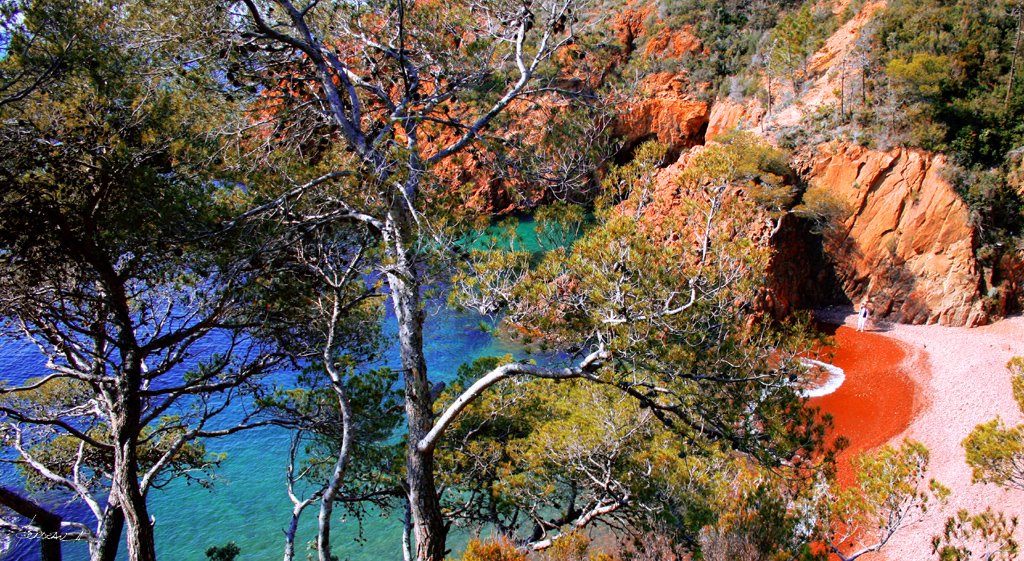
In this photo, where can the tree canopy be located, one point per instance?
(274, 178)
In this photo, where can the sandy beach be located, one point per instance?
(878, 399)
(932, 384)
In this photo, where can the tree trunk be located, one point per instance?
(842, 93)
(298, 507)
(140, 541)
(323, 536)
(49, 545)
(1016, 49)
(404, 281)
(406, 534)
(864, 83)
(289, 537)
(126, 490)
(109, 539)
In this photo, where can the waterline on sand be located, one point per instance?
(836, 377)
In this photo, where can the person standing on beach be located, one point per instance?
(862, 317)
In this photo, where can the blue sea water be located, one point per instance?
(248, 503)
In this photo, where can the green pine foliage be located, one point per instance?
(995, 452)
(731, 30)
(987, 536)
(947, 65)
(226, 552)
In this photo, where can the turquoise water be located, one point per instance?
(248, 503)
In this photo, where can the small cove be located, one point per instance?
(248, 503)
(876, 402)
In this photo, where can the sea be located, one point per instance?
(248, 503)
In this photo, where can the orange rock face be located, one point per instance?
(630, 24)
(832, 69)
(669, 43)
(726, 114)
(483, 184)
(663, 109)
(487, 183)
(908, 245)
(666, 112)
(798, 275)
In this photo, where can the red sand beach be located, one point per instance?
(932, 384)
(876, 402)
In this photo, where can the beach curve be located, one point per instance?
(957, 379)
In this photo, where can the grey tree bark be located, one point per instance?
(346, 90)
(429, 528)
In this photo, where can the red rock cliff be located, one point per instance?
(798, 275)
(908, 245)
(665, 111)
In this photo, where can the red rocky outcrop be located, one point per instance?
(665, 111)
(670, 43)
(908, 244)
(726, 115)
(798, 274)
